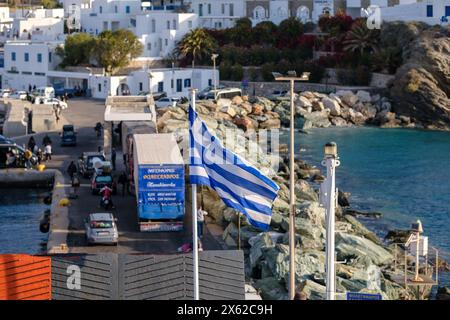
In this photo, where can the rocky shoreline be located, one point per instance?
(267, 258)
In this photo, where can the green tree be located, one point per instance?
(360, 39)
(50, 4)
(288, 31)
(265, 32)
(197, 44)
(115, 49)
(77, 49)
(241, 33)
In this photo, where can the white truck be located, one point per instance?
(159, 184)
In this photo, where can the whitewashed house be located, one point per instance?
(218, 14)
(428, 11)
(109, 15)
(27, 63)
(160, 30)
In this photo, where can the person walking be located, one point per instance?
(124, 182)
(71, 170)
(28, 154)
(200, 221)
(113, 158)
(48, 152)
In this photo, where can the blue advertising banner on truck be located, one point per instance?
(161, 197)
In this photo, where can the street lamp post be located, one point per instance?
(291, 77)
(328, 199)
(214, 56)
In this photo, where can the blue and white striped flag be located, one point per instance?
(240, 185)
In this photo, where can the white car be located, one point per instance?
(101, 228)
(167, 102)
(4, 93)
(21, 95)
(53, 101)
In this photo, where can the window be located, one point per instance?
(190, 24)
(166, 42)
(209, 82)
(187, 83)
(153, 26)
(99, 87)
(127, 9)
(200, 9)
(223, 8)
(160, 86)
(49, 57)
(447, 11)
(100, 9)
(13, 56)
(168, 25)
(209, 8)
(149, 46)
(26, 57)
(179, 83)
(174, 24)
(39, 57)
(171, 84)
(231, 9)
(429, 10)
(39, 74)
(115, 9)
(140, 86)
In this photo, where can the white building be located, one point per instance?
(174, 82)
(109, 15)
(218, 14)
(428, 11)
(160, 30)
(27, 63)
(37, 24)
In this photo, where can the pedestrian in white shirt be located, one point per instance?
(48, 152)
(200, 221)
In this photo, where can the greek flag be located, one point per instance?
(240, 185)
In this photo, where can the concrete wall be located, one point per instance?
(43, 118)
(266, 88)
(16, 123)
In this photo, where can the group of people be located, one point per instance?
(44, 154)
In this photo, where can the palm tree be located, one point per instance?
(361, 39)
(197, 44)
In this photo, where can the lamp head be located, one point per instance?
(417, 226)
(330, 149)
(214, 56)
(292, 73)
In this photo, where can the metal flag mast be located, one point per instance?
(194, 219)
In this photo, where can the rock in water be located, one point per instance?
(350, 246)
(333, 106)
(303, 191)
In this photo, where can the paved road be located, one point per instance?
(84, 114)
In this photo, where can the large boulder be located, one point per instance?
(312, 236)
(266, 103)
(307, 263)
(237, 100)
(364, 96)
(262, 240)
(348, 97)
(332, 105)
(421, 88)
(350, 246)
(318, 119)
(311, 210)
(245, 123)
(360, 229)
(270, 124)
(223, 103)
(271, 289)
(303, 191)
(303, 102)
(313, 290)
(229, 110)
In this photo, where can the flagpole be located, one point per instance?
(194, 223)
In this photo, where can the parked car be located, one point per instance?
(68, 136)
(4, 93)
(102, 179)
(167, 102)
(228, 93)
(202, 94)
(278, 94)
(56, 102)
(21, 95)
(101, 228)
(86, 163)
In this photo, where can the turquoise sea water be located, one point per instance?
(404, 174)
(20, 213)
